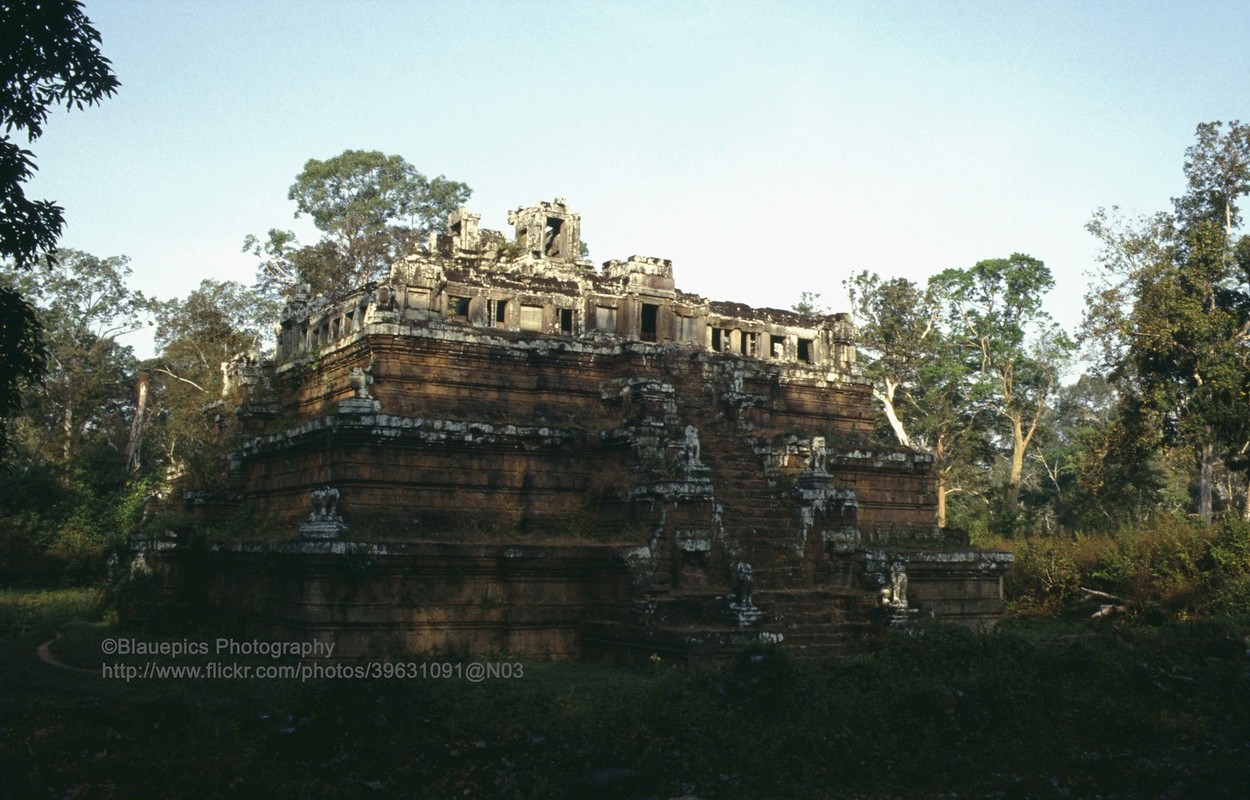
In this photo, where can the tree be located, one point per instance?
(897, 326)
(810, 304)
(49, 57)
(371, 209)
(197, 335)
(922, 383)
(215, 322)
(1171, 316)
(995, 314)
(83, 305)
(1217, 170)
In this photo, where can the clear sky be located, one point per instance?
(766, 148)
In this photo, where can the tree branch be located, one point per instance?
(180, 378)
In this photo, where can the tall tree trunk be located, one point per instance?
(1017, 464)
(1206, 473)
(67, 427)
(134, 449)
(887, 404)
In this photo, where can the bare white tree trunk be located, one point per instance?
(887, 403)
(134, 449)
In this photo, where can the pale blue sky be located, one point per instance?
(766, 148)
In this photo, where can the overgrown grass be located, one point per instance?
(37, 614)
(1039, 708)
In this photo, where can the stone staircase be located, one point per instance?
(760, 518)
(812, 614)
(758, 514)
(819, 622)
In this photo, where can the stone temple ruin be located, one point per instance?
(501, 449)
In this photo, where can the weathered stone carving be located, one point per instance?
(385, 299)
(894, 593)
(819, 459)
(325, 504)
(744, 583)
(324, 522)
(742, 606)
(691, 448)
(548, 231)
(361, 379)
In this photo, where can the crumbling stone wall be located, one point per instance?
(489, 391)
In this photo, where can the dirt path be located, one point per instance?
(45, 655)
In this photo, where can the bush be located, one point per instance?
(1169, 566)
(59, 531)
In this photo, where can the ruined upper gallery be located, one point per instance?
(473, 280)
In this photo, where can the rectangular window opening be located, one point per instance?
(566, 321)
(551, 237)
(649, 322)
(500, 313)
(749, 345)
(777, 346)
(459, 307)
(805, 350)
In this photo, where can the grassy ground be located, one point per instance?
(1037, 709)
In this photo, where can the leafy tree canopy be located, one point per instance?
(49, 57)
(1171, 314)
(215, 322)
(84, 306)
(371, 209)
(197, 334)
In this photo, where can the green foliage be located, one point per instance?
(61, 529)
(215, 323)
(1169, 566)
(1045, 709)
(964, 369)
(810, 304)
(371, 208)
(996, 318)
(51, 58)
(1169, 318)
(23, 355)
(81, 409)
(36, 615)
